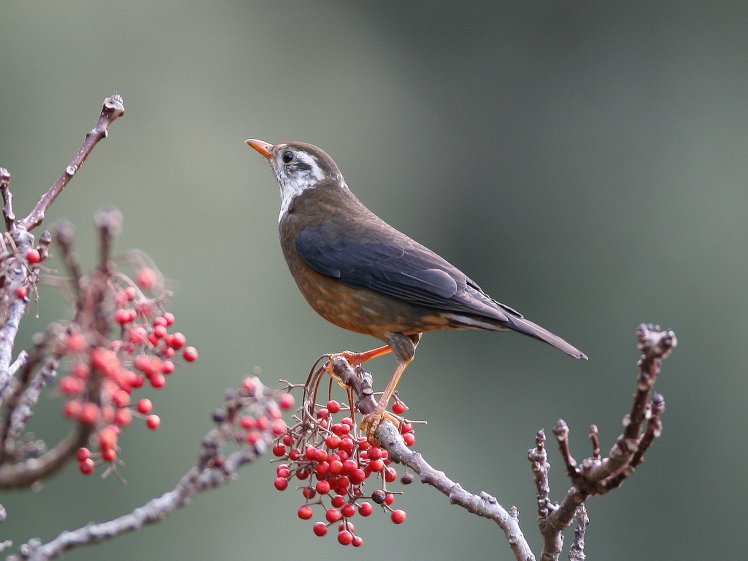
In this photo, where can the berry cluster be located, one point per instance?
(333, 460)
(105, 372)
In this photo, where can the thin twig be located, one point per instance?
(10, 218)
(113, 109)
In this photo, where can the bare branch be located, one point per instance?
(576, 551)
(25, 473)
(10, 218)
(212, 470)
(15, 276)
(113, 109)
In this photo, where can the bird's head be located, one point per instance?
(298, 166)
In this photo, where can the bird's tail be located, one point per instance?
(526, 327)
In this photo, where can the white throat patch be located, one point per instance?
(294, 180)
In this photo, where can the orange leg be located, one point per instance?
(357, 359)
(372, 420)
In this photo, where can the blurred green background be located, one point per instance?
(584, 162)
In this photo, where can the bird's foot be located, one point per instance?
(372, 420)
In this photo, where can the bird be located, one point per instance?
(361, 274)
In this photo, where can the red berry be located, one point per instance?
(389, 498)
(159, 332)
(332, 441)
(365, 509)
(348, 510)
(409, 438)
(83, 454)
(279, 450)
(319, 528)
(138, 335)
(333, 515)
(357, 541)
(72, 409)
(153, 422)
(168, 318)
(21, 292)
(122, 316)
(333, 406)
(338, 501)
(146, 278)
(177, 340)
(345, 538)
(87, 466)
(121, 398)
(75, 343)
(122, 417)
(90, 413)
(398, 516)
(280, 483)
(349, 466)
(33, 256)
(346, 525)
(398, 408)
(144, 406)
(305, 512)
(109, 455)
(158, 380)
(336, 467)
(71, 386)
(323, 487)
(286, 401)
(357, 476)
(390, 474)
(190, 354)
(253, 437)
(167, 367)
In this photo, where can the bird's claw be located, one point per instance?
(371, 423)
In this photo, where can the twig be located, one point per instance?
(23, 474)
(211, 471)
(113, 109)
(576, 551)
(10, 218)
(16, 275)
(596, 476)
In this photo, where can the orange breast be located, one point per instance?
(362, 310)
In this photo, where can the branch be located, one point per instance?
(389, 437)
(113, 109)
(16, 273)
(211, 471)
(10, 218)
(596, 475)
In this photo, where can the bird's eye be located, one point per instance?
(287, 157)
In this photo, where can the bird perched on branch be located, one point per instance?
(362, 274)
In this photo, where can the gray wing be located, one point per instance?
(393, 264)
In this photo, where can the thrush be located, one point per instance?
(361, 274)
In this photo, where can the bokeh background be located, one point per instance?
(584, 162)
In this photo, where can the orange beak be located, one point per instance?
(264, 148)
